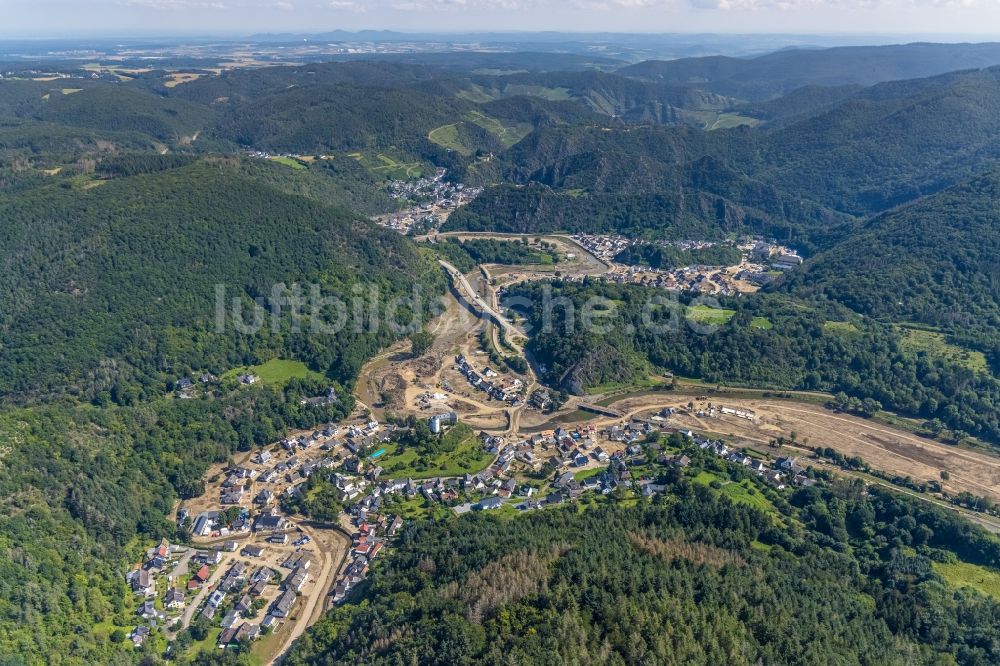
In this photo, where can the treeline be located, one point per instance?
(508, 252)
(688, 578)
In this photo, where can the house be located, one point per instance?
(397, 523)
(269, 523)
(247, 632)
(297, 580)
(230, 619)
(202, 575)
(296, 561)
(280, 539)
(209, 556)
(554, 498)
(283, 606)
(139, 635)
(231, 546)
(204, 524)
(174, 598)
(564, 480)
(650, 489)
(228, 635)
(252, 550)
(775, 477)
(790, 465)
(263, 457)
(244, 604)
(148, 610)
(142, 583)
(216, 598)
(208, 612)
(264, 497)
(489, 504)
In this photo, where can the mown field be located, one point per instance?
(276, 372)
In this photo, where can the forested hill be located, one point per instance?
(112, 288)
(775, 74)
(862, 155)
(824, 577)
(889, 144)
(934, 262)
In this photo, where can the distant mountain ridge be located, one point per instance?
(774, 74)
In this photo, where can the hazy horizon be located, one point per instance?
(55, 19)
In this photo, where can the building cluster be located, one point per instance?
(158, 563)
(370, 536)
(779, 474)
(758, 266)
(265, 155)
(508, 390)
(776, 256)
(430, 201)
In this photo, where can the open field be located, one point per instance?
(963, 574)
(289, 162)
(388, 166)
(447, 137)
(175, 79)
(551, 94)
(919, 341)
(729, 120)
(469, 458)
(507, 134)
(704, 314)
(277, 371)
(841, 327)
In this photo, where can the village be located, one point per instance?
(253, 563)
(428, 203)
(761, 262)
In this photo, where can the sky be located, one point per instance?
(71, 18)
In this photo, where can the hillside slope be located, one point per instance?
(933, 261)
(690, 578)
(115, 285)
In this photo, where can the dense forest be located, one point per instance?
(825, 575)
(127, 272)
(932, 262)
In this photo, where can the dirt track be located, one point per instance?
(882, 447)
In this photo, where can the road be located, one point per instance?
(469, 294)
(190, 609)
(313, 608)
(182, 565)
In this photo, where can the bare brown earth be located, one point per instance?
(882, 447)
